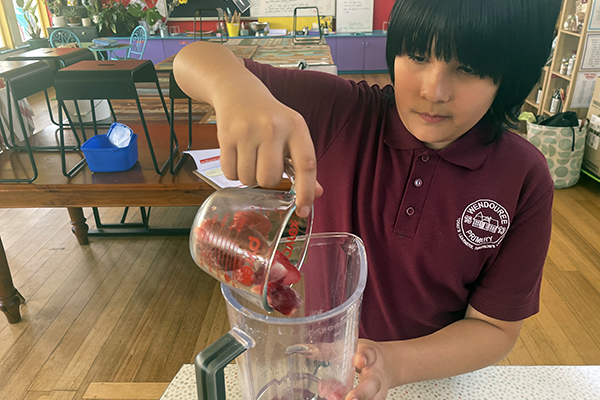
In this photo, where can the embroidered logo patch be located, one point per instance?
(483, 224)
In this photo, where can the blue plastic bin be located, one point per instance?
(103, 156)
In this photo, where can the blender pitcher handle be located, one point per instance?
(211, 361)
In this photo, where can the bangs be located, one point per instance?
(466, 31)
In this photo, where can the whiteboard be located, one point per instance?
(285, 8)
(354, 16)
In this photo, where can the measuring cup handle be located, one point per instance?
(211, 362)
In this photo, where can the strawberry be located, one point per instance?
(252, 219)
(244, 275)
(291, 275)
(283, 298)
(332, 389)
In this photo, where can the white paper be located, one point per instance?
(595, 17)
(591, 53)
(279, 8)
(584, 89)
(354, 16)
(208, 164)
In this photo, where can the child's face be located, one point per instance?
(437, 101)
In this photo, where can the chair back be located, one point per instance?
(138, 43)
(63, 37)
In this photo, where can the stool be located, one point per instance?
(22, 79)
(56, 58)
(90, 80)
(175, 92)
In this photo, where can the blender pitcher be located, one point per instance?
(306, 356)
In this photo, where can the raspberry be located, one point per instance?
(331, 389)
(283, 298)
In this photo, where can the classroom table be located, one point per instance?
(496, 382)
(107, 53)
(141, 186)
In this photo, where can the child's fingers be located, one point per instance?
(368, 388)
(364, 357)
(303, 156)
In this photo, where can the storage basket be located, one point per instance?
(102, 156)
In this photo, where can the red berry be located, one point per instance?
(244, 275)
(332, 389)
(283, 298)
(292, 274)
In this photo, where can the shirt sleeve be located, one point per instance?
(509, 287)
(327, 102)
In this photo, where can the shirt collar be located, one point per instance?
(468, 151)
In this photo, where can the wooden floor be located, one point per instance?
(118, 318)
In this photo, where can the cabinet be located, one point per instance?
(83, 33)
(572, 39)
(360, 53)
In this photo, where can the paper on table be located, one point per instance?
(208, 168)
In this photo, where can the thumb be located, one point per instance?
(365, 355)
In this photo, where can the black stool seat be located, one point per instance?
(22, 79)
(107, 80)
(56, 57)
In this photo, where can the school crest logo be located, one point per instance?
(483, 224)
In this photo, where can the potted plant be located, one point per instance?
(58, 20)
(73, 17)
(94, 7)
(114, 17)
(147, 16)
(33, 28)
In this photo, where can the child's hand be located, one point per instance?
(374, 372)
(255, 134)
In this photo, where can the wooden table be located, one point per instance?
(139, 187)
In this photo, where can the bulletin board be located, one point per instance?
(285, 8)
(354, 16)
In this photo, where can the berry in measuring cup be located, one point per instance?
(236, 254)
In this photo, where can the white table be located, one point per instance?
(494, 383)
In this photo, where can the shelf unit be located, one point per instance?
(567, 42)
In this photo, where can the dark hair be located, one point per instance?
(506, 40)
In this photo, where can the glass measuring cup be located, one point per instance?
(234, 238)
(308, 356)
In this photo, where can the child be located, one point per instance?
(455, 211)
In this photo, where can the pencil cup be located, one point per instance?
(233, 29)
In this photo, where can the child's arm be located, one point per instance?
(254, 129)
(474, 342)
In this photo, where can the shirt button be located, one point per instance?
(418, 182)
(425, 157)
(410, 211)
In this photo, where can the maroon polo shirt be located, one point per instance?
(467, 224)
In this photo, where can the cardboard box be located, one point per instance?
(591, 155)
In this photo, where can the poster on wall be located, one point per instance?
(584, 89)
(285, 8)
(354, 16)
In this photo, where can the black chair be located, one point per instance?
(220, 19)
(114, 79)
(23, 79)
(305, 39)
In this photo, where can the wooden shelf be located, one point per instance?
(567, 42)
(576, 34)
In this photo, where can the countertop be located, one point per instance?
(496, 382)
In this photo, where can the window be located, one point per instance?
(13, 30)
